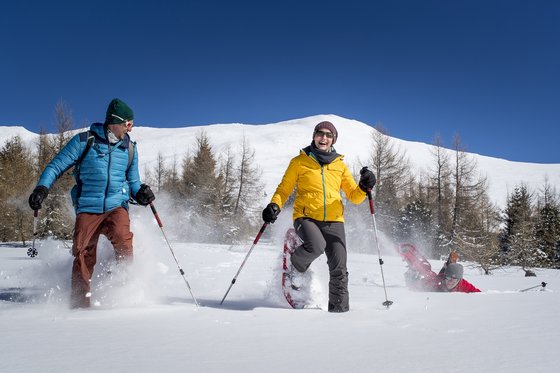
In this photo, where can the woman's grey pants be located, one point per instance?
(324, 237)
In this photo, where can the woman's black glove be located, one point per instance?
(145, 196)
(37, 197)
(270, 213)
(367, 180)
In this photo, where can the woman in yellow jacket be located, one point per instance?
(319, 174)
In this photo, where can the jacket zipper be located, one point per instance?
(108, 177)
(109, 151)
(324, 188)
(324, 194)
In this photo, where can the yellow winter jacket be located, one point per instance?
(318, 188)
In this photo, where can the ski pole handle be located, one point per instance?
(35, 213)
(156, 215)
(368, 191)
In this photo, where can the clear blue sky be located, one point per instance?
(487, 70)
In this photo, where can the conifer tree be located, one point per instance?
(517, 239)
(547, 225)
(200, 188)
(16, 181)
(57, 212)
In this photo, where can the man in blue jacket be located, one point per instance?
(107, 176)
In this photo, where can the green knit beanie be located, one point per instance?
(118, 112)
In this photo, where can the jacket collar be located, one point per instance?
(100, 132)
(321, 156)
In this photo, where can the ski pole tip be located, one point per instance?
(388, 303)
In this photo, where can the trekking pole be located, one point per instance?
(172, 253)
(543, 285)
(244, 260)
(32, 251)
(387, 302)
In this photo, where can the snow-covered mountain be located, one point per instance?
(276, 143)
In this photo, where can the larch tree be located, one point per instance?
(440, 195)
(390, 165)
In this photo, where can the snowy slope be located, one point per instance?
(151, 324)
(276, 143)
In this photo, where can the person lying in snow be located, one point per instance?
(420, 276)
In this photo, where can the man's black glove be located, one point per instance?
(367, 180)
(270, 213)
(145, 196)
(37, 197)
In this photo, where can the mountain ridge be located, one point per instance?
(276, 143)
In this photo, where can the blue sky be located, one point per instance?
(486, 70)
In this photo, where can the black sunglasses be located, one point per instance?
(328, 135)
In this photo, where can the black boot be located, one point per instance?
(338, 292)
(338, 307)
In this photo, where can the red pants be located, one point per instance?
(115, 225)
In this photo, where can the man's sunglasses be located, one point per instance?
(125, 122)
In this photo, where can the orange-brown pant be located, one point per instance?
(115, 225)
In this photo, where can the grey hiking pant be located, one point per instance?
(324, 237)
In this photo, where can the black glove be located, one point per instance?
(145, 196)
(37, 197)
(270, 213)
(367, 180)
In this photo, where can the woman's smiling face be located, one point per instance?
(323, 139)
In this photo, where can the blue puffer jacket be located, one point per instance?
(104, 181)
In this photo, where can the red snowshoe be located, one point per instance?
(415, 259)
(295, 285)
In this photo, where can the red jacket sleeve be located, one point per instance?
(466, 287)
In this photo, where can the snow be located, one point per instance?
(146, 321)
